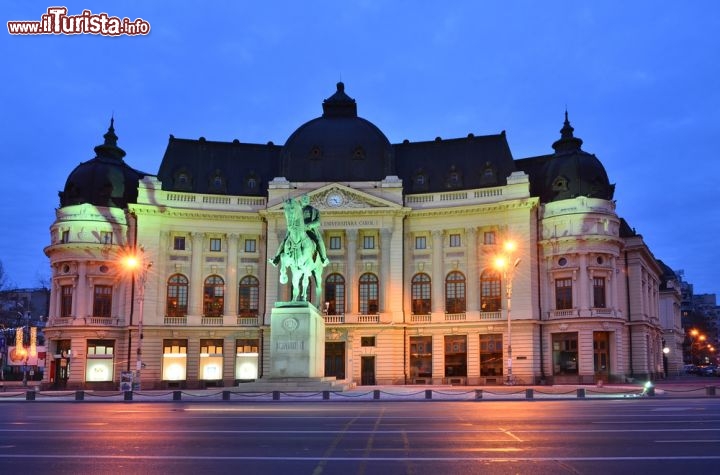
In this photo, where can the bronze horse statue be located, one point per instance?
(299, 253)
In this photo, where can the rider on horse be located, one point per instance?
(311, 218)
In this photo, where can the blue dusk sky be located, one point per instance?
(639, 80)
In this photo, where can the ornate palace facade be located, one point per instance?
(412, 294)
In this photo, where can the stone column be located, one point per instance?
(473, 282)
(231, 276)
(272, 286)
(583, 287)
(82, 289)
(410, 270)
(262, 270)
(385, 274)
(195, 291)
(160, 281)
(351, 284)
(438, 277)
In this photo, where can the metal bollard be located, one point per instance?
(581, 392)
(29, 395)
(428, 394)
(326, 395)
(177, 395)
(276, 395)
(79, 395)
(226, 395)
(709, 390)
(376, 394)
(478, 393)
(529, 394)
(128, 396)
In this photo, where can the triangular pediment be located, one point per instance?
(338, 197)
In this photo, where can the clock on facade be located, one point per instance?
(334, 199)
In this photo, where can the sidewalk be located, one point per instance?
(686, 386)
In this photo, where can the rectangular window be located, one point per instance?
(211, 359)
(179, 243)
(100, 358)
(367, 341)
(491, 355)
(106, 237)
(565, 353)
(215, 244)
(246, 359)
(454, 240)
(455, 355)
(174, 362)
(489, 237)
(368, 242)
(563, 294)
(65, 237)
(335, 242)
(420, 242)
(420, 357)
(66, 295)
(102, 301)
(599, 292)
(250, 245)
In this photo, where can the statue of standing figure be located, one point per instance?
(302, 250)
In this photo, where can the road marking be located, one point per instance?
(505, 431)
(453, 458)
(696, 441)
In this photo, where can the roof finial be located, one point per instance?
(568, 142)
(339, 104)
(109, 148)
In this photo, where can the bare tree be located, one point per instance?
(3, 277)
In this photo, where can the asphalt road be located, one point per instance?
(422, 437)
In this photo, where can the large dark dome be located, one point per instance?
(572, 172)
(106, 180)
(337, 146)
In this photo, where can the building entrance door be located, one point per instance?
(335, 359)
(60, 370)
(601, 355)
(367, 371)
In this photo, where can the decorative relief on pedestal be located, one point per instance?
(290, 324)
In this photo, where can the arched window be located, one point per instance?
(248, 296)
(455, 292)
(490, 291)
(368, 294)
(420, 290)
(214, 296)
(335, 294)
(177, 296)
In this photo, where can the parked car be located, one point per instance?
(708, 370)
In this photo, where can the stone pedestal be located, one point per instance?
(297, 341)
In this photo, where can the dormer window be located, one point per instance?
(488, 176)
(420, 181)
(454, 178)
(217, 182)
(560, 184)
(315, 153)
(251, 183)
(359, 153)
(182, 180)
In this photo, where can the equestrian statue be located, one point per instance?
(302, 250)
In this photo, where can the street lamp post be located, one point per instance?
(135, 264)
(506, 264)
